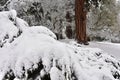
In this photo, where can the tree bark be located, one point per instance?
(80, 21)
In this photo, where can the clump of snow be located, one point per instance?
(7, 28)
(36, 54)
(42, 30)
(21, 24)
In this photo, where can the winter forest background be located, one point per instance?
(58, 15)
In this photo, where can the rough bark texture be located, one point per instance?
(80, 19)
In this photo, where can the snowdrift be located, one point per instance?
(33, 53)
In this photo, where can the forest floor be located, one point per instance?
(108, 47)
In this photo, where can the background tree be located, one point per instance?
(81, 9)
(3, 4)
(49, 13)
(103, 22)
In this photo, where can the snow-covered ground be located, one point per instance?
(33, 53)
(110, 48)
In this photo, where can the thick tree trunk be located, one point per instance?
(80, 19)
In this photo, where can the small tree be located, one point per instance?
(81, 9)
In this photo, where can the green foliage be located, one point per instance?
(90, 3)
(2, 2)
(103, 22)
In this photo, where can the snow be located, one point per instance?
(42, 29)
(21, 24)
(36, 54)
(111, 48)
(7, 31)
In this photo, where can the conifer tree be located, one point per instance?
(81, 9)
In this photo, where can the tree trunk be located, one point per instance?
(80, 19)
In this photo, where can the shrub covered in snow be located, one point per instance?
(7, 28)
(11, 27)
(36, 55)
